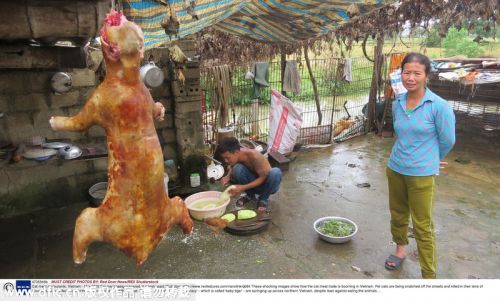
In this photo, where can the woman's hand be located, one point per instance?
(442, 164)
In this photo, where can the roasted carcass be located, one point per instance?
(136, 212)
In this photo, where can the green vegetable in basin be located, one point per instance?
(229, 217)
(246, 214)
(336, 228)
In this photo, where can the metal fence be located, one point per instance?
(339, 99)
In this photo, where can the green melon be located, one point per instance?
(229, 217)
(246, 214)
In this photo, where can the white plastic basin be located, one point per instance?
(201, 214)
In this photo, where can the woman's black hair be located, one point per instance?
(414, 57)
(229, 144)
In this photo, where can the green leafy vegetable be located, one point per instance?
(336, 228)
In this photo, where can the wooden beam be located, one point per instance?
(51, 20)
(276, 159)
(377, 69)
(465, 60)
(46, 57)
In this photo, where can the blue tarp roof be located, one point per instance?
(271, 21)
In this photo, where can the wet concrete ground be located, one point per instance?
(320, 182)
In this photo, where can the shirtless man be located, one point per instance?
(251, 172)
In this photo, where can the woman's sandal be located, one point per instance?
(397, 261)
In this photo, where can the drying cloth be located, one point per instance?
(220, 93)
(484, 78)
(261, 73)
(451, 76)
(291, 78)
(347, 70)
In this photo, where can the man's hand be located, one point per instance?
(442, 164)
(236, 190)
(159, 111)
(225, 180)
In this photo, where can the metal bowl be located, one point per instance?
(257, 145)
(38, 153)
(55, 145)
(333, 239)
(98, 192)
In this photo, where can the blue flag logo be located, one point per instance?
(23, 286)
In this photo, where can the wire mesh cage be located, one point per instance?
(342, 88)
(476, 106)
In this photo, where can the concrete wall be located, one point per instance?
(27, 102)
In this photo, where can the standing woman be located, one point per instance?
(425, 132)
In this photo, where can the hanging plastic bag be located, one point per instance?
(285, 122)
(396, 83)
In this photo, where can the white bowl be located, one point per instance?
(201, 214)
(333, 239)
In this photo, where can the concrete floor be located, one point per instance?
(320, 182)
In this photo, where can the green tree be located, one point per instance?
(480, 27)
(433, 39)
(456, 42)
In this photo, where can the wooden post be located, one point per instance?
(313, 82)
(283, 66)
(332, 124)
(41, 57)
(377, 69)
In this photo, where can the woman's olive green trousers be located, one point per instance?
(414, 196)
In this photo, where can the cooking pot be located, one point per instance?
(61, 82)
(70, 152)
(151, 75)
(98, 192)
(259, 146)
